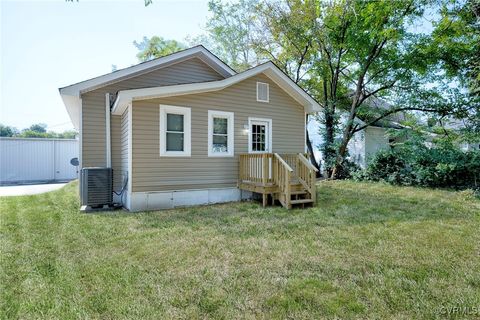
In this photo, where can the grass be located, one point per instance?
(366, 251)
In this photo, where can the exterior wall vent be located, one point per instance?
(96, 187)
(263, 92)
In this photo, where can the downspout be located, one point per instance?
(108, 141)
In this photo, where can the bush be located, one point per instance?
(347, 170)
(444, 166)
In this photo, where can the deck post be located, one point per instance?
(264, 169)
(288, 196)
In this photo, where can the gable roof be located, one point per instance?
(71, 94)
(125, 97)
(198, 51)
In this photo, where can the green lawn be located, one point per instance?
(366, 251)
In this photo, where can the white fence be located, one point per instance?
(34, 159)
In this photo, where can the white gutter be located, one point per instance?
(108, 143)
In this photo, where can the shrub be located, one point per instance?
(444, 166)
(347, 170)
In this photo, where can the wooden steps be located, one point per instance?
(287, 178)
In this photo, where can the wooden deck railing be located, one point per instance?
(307, 175)
(256, 168)
(277, 172)
(282, 177)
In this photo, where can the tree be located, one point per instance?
(229, 31)
(7, 131)
(247, 33)
(38, 127)
(349, 53)
(156, 47)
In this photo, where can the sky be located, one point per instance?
(45, 45)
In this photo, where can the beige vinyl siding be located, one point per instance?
(154, 173)
(93, 106)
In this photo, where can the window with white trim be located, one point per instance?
(220, 133)
(263, 94)
(175, 131)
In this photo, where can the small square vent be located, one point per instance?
(262, 92)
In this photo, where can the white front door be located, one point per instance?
(260, 135)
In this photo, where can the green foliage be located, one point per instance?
(442, 166)
(27, 133)
(345, 53)
(156, 47)
(38, 130)
(347, 169)
(38, 127)
(7, 131)
(456, 42)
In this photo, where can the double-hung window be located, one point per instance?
(175, 131)
(220, 133)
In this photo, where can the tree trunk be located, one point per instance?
(347, 132)
(328, 145)
(340, 156)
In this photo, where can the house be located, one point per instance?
(186, 129)
(364, 145)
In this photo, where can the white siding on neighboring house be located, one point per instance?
(470, 146)
(356, 149)
(356, 146)
(376, 139)
(361, 148)
(25, 160)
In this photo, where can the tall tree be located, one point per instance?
(155, 47)
(349, 53)
(7, 131)
(37, 127)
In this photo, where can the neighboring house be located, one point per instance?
(458, 125)
(37, 160)
(186, 129)
(363, 145)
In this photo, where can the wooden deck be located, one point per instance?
(287, 178)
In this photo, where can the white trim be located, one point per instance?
(230, 133)
(73, 104)
(268, 92)
(269, 147)
(130, 156)
(269, 69)
(108, 141)
(187, 130)
(155, 200)
(305, 132)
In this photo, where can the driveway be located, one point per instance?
(23, 190)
